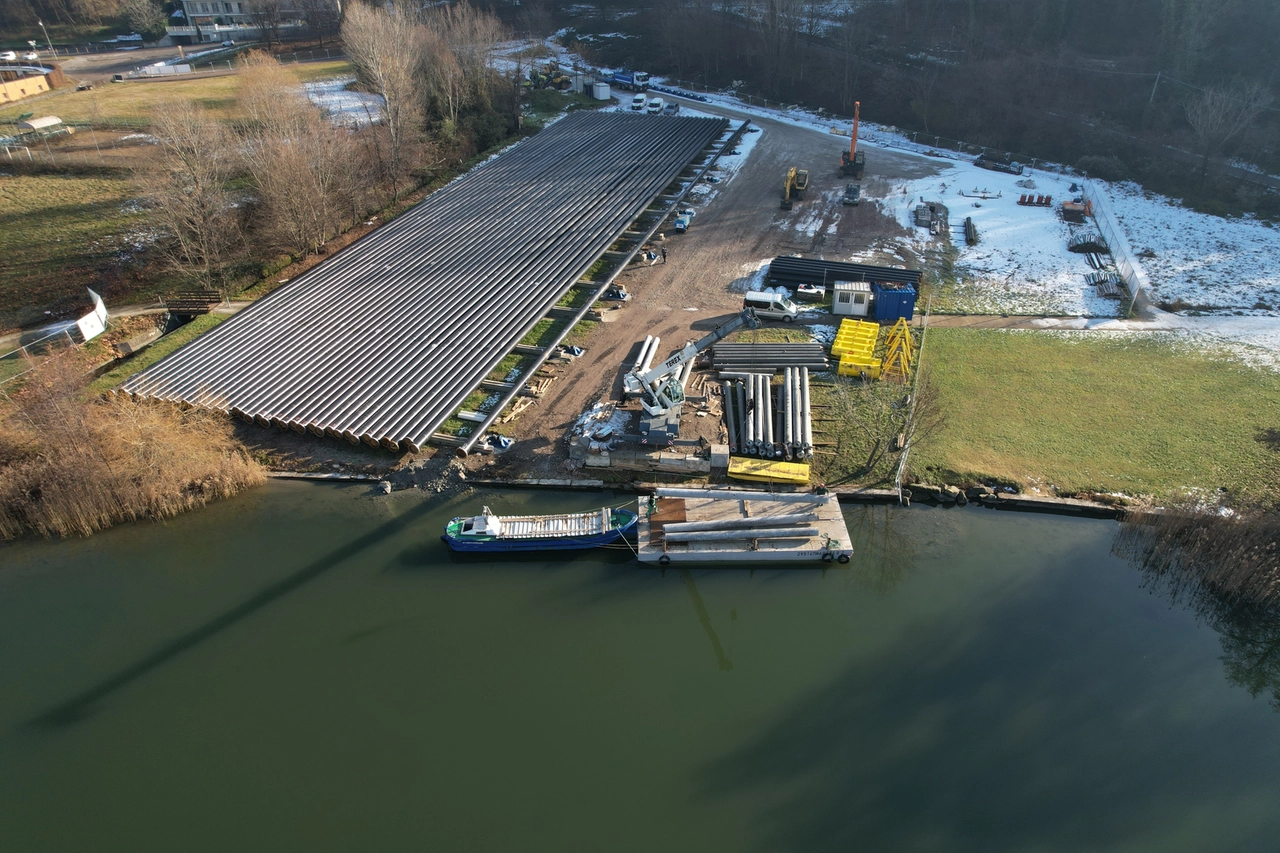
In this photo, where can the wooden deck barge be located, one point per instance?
(740, 526)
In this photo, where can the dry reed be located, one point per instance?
(70, 465)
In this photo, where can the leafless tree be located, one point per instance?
(302, 164)
(472, 37)
(267, 15)
(1218, 115)
(322, 17)
(145, 17)
(190, 189)
(386, 49)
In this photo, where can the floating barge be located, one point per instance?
(740, 526)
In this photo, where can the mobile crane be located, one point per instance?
(853, 161)
(661, 388)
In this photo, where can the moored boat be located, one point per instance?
(561, 532)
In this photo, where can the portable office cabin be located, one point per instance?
(851, 298)
(893, 301)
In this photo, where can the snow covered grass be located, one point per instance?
(343, 105)
(1138, 414)
(1212, 263)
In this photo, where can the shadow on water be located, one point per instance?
(1224, 570)
(998, 735)
(885, 552)
(704, 619)
(80, 706)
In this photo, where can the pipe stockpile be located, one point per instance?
(740, 523)
(384, 341)
(725, 535)
(790, 271)
(795, 416)
(729, 394)
(768, 358)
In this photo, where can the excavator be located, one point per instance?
(853, 161)
(794, 183)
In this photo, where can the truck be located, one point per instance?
(631, 81)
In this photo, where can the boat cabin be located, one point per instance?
(481, 525)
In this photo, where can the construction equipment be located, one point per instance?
(661, 388)
(789, 187)
(853, 161)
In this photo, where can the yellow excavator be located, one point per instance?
(794, 184)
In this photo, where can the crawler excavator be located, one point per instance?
(794, 183)
(853, 161)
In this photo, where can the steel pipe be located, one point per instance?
(726, 535)
(740, 523)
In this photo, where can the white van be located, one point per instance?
(655, 106)
(771, 306)
(638, 104)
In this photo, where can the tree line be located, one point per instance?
(287, 178)
(1065, 80)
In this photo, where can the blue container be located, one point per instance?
(893, 301)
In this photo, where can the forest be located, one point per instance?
(1166, 92)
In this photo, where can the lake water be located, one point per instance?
(306, 668)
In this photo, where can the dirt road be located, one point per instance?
(739, 229)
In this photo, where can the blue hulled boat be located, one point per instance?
(568, 531)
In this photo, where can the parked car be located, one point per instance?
(671, 109)
(638, 103)
(682, 222)
(655, 106)
(30, 56)
(8, 56)
(852, 194)
(809, 293)
(229, 43)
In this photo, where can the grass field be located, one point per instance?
(60, 233)
(134, 103)
(1137, 414)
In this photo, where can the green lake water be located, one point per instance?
(307, 668)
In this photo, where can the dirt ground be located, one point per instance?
(741, 227)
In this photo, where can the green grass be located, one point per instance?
(134, 103)
(155, 352)
(1135, 414)
(56, 231)
(771, 335)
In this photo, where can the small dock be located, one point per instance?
(741, 526)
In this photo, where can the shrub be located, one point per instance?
(1106, 168)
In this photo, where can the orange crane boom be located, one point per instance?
(853, 140)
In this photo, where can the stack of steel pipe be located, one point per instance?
(384, 341)
(789, 526)
(790, 271)
(767, 358)
(797, 421)
(751, 418)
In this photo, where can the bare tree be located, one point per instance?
(472, 37)
(189, 189)
(385, 47)
(267, 15)
(1218, 115)
(301, 163)
(145, 17)
(322, 17)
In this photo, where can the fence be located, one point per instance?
(19, 362)
(1135, 278)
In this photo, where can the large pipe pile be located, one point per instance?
(790, 271)
(758, 427)
(767, 358)
(383, 342)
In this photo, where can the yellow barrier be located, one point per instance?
(900, 353)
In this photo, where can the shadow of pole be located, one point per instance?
(79, 706)
(705, 618)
